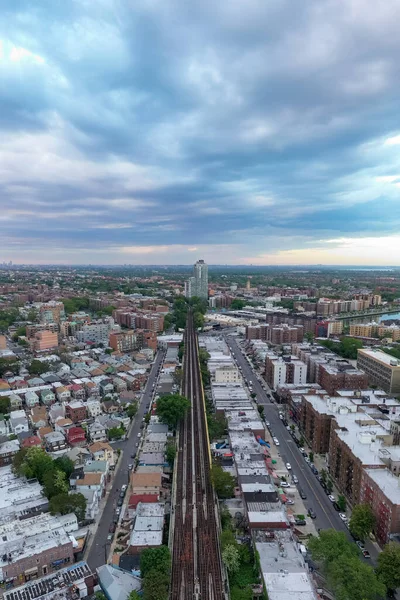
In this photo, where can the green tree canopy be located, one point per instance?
(170, 452)
(231, 559)
(362, 521)
(37, 367)
(224, 483)
(172, 408)
(352, 579)
(237, 304)
(65, 464)
(155, 558)
(329, 545)
(67, 503)
(115, 433)
(4, 405)
(342, 502)
(388, 570)
(155, 585)
(131, 410)
(54, 483)
(33, 464)
(217, 426)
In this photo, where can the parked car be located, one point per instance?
(288, 466)
(360, 544)
(118, 511)
(124, 488)
(290, 502)
(311, 514)
(120, 501)
(295, 479)
(303, 495)
(314, 470)
(110, 537)
(343, 517)
(366, 554)
(331, 498)
(336, 506)
(284, 484)
(112, 528)
(130, 467)
(276, 441)
(300, 522)
(307, 460)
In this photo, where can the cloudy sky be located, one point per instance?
(241, 131)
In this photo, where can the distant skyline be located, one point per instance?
(243, 132)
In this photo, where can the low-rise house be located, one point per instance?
(38, 417)
(117, 583)
(93, 408)
(79, 456)
(31, 399)
(110, 406)
(63, 425)
(106, 387)
(76, 436)
(97, 432)
(35, 382)
(78, 391)
(15, 401)
(120, 385)
(92, 389)
(48, 397)
(103, 451)
(56, 411)
(44, 431)
(18, 421)
(97, 466)
(54, 441)
(31, 442)
(7, 451)
(76, 411)
(63, 394)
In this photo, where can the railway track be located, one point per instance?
(197, 572)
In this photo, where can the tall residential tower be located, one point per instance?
(198, 284)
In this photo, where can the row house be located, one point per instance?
(31, 399)
(97, 432)
(18, 421)
(93, 408)
(77, 391)
(106, 387)
(103, 451)
(56, 411)
(39, 417)
(47, 397)
(63, 394)
(7, 451)
(15, 401)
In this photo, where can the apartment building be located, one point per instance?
(95, 333)
(52, 312)
(337, 376)
(382, 369)
(33, 547)
(124, 341)
(43, 340)
(287, 369)
(381, 490)
(227, 374)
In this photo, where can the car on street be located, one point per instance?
(303, 495)
(307, 460)
(360, 544)
(366, 554)
(137, 445)
(331, 498)
(133, 455)
(268, 424)
(300, 522)
(288, 466)
(343, 517)
(284, 484)
(295, 479)
(130, 467)
(120, 501)
(311, 514)
(124, 487)
(112, 528)
(118, 511)
(110, 537)
(336, 506)
(276, 441)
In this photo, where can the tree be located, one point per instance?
(324, 475)
(309, 337)
(37, 367)
(18, 461)
(362, 521)
(311, 456)
(100, 596)
(172, 408)
(342, 503)
(239, 594)
(131, 410)
(65, 464)
(133, 596)
(170, 452)
(4, 405)
(147, 418)
(223, 482)
(352, 579)
(388, 570)
(217, 426)
(67, 503)
(115, 433)
(35, 464)
(54, 483)
(237, 304)
(329, 486)
(329, 545)
(260, 409)
(155, 558)
(155, 585)
(230, 557)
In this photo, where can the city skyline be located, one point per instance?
(260, 134)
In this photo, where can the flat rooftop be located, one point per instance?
(380, 356)
(18, 497)
(387, 482)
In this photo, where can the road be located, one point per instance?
(327, 517)
(97, 552)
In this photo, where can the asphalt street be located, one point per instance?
(327, 517)
(100, 546)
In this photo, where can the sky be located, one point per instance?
(261, 132)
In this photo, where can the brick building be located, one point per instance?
(381, 490)
(76, 411)
(337, 376)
